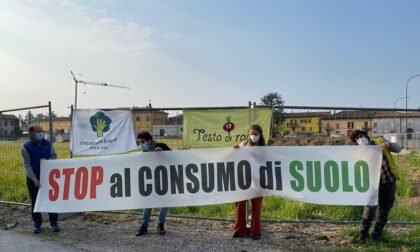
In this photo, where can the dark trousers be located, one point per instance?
(36, 217)
(240, 218)
(385, 202)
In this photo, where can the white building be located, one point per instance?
(394, 122)
(9, 125)
(167, 130)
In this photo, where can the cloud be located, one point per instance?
(65, 25)
(41, 41)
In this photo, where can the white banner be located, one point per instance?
(97, 132)
(338, 175)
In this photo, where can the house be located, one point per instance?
(168, 130)
(376, 123)
(385, 122)
(144, 119)
(345, 122)
(301, 123)
(9, 125)
(59, 124)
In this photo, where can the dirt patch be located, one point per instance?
(112, 232)
(413, 202)
(314, 141)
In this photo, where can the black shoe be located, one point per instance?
(376, 235)
(161, 229)
(142, 231)
(362, 238)
(256, 237)
(37, 229)
(55, 228)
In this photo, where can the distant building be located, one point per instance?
(59, 124)
(376, 123)
(168, 130)
(9, 125)
(386, 122)
(345, 122)
(301, 123)
(144, 119)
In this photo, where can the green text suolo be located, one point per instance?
(331, 175)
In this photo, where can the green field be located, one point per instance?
(13, 188)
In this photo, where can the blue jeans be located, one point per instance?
(148, 212)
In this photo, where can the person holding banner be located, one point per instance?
(33, 151)
(255, 138)
(387, 188)
(145, 139)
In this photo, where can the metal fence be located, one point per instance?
(292, 125)
(14, 125)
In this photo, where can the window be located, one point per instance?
(147, 118)
(309, 121)
(337, 125)
(138, 118)
(350, 125)
(366, 125)
(375, 124)
(303, 128)
(287, 124)
(310, 128)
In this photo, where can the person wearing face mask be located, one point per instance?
(33, 151)
(387, 188)
(146, 143)
(255, 138)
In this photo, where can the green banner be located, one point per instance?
(223, 127)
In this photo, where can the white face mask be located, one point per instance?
(362, 141)
(254, 138)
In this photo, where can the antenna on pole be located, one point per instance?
(95, 83)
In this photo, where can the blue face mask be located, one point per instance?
(144, 147)
(39, 136)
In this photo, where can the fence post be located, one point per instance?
(71, 126)
(50, 121)
(1, 124)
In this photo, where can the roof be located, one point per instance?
(61, 118)
(57, 119)
(305, 114)
(362, 114)
(8, 117)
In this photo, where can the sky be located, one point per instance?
(190, 53)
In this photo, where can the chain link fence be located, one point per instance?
(14, 125)
(292, 125)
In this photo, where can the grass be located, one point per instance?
(12, 175)
(404, 241)
(13, 188)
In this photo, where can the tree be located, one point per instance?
(276, 101)
(29, 118)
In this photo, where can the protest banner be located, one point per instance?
(97, 132)
(338, 175)
(222, 127)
